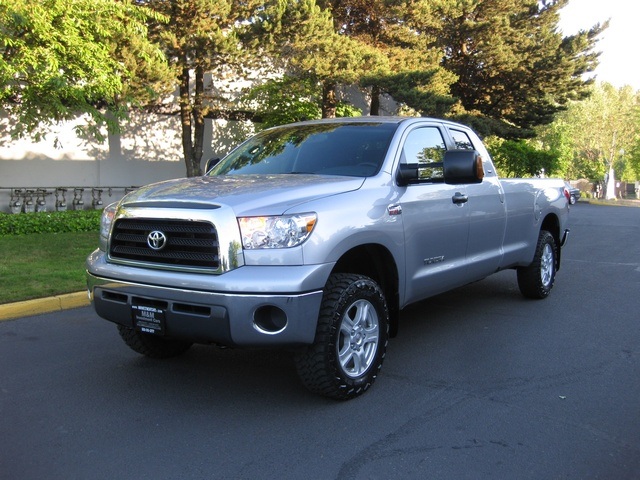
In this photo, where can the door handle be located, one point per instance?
(459, 198)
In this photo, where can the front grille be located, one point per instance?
(188, 244)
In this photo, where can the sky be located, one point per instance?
(619, 64)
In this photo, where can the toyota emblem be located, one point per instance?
(156, 240)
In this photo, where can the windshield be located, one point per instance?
(348, 149)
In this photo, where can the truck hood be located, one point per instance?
(246, 194)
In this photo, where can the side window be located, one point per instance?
(426, 147)
(461, 139)
(464, 141)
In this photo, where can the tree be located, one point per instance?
(408, 66)
(511, 62)
(304, 41)
(289, 99)
(336, 60)
(601, 130)
(606, 126)
(201, 36)
(284, 100)
(633, 155)
(557, 138)
(504, 60)
(518, 158)
(423, 91)
(634, 159)
(63, 58)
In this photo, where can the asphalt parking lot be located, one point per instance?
(480, 383)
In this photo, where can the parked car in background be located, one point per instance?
(574, 193)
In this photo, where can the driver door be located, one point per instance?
(435, 219)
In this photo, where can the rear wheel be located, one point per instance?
(536, 280)
(151, 345)
(351, 339)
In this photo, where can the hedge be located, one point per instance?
(50, 222)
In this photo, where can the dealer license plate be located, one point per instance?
(148, 319)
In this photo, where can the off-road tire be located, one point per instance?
(536, 280)
(152, 346)
(351, 339)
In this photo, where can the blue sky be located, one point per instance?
(619, 64)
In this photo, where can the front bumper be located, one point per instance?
(249, 306)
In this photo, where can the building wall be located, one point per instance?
(149, 150)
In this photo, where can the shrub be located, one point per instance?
(50, 222)
(517, 158)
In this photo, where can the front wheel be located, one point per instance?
(536, 280)
(351, 339)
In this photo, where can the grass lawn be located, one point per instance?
(43, 264)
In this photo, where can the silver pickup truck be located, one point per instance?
(315, 236)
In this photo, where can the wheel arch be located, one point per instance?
(376, 262)
(551, 224)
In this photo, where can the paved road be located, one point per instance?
(480, 384)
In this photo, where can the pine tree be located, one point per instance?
(410, 73)
(306, 41)
(512, 63)
(202, 36)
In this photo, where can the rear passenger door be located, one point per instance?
(487, 212)
(436, 227)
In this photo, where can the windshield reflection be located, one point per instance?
(346, 149)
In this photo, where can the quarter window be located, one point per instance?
(461, 139)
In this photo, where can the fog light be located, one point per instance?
(269, 319)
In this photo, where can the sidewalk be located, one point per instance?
(39, 306)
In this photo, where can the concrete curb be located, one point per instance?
(612, 203)
(39, 306)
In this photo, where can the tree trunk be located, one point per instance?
(375, 101)
(185, 121)
(329, 99)
(198, 122)
(610, 187)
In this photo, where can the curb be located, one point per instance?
(39, 306)
(611, 203)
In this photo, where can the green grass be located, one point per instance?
(43, 264)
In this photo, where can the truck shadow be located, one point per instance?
(209, 375)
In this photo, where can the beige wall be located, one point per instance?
(148, 150)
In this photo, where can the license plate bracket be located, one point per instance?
(148, 319)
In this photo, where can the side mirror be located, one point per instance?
(212, 162)
(462, 166)
(407, 173)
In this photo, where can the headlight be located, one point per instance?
(105, 224)
(276, 232)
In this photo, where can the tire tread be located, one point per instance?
(529, 278)
(316, 364)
